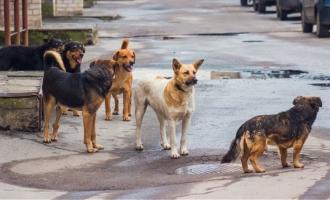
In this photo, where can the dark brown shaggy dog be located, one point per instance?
(80, 91)
(286, 129)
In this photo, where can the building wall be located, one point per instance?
(34, 13)
(68, 7)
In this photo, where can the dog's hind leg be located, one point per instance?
(245, 156)
(174, 152)
(108, 114)
(49, 103)
(183, 143)
(258, 148)
(140, 109)
(56, 124)
(163, 138)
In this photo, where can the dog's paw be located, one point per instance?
(92, 150)
(184, 152)
(166, 146)
(126, 119)
(115, 113)
(175, 155)
(108, 117)
(76, 113)
(298, 165)
(54, 138)
(47, 140)
(286, 165)
(98, 146)
(247, 171)
(139, 147)
(261, 170)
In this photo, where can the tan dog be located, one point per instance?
(172, 100)
(122, 82)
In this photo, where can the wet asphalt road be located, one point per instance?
(229, 38)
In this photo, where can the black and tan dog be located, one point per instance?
(24, 58)
(79, 91)
(286, 129)
(122, 82)
(72, 56)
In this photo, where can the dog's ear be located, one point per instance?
(176, 65)
(316, 102)
(115, 56)
(198, 63)
(124, 45)
(297, 100)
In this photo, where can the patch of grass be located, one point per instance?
(47, 10)
(89, 3)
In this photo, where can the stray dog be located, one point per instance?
(72, 56)
(24, 58)
(80, 91)
(286, 129)
(172, 100)
(122, 82)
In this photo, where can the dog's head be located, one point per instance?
(74, 53)
(314, 102)
(185, 74)
(125, 56)
(54, 45)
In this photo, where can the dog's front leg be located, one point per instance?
(88, 128)
(183, 143)
(127, 99)
(174, 152)
(95, 145)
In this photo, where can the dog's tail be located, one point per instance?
(124, 45)
(235, 147)
(53, 59)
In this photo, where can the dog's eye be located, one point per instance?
(186, 72)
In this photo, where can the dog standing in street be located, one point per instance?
(122, 82)
(286, 129)
(172, 100)
(80, 91)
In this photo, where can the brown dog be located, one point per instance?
(286, 129)
(122, 82)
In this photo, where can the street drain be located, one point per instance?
(253, 41)
(204, 169)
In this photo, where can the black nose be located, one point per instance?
(195, 81)
(81, 55)
(131, 62)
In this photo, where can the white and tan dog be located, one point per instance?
(172, 100)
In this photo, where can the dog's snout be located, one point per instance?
(131, 62)
(81, 55)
